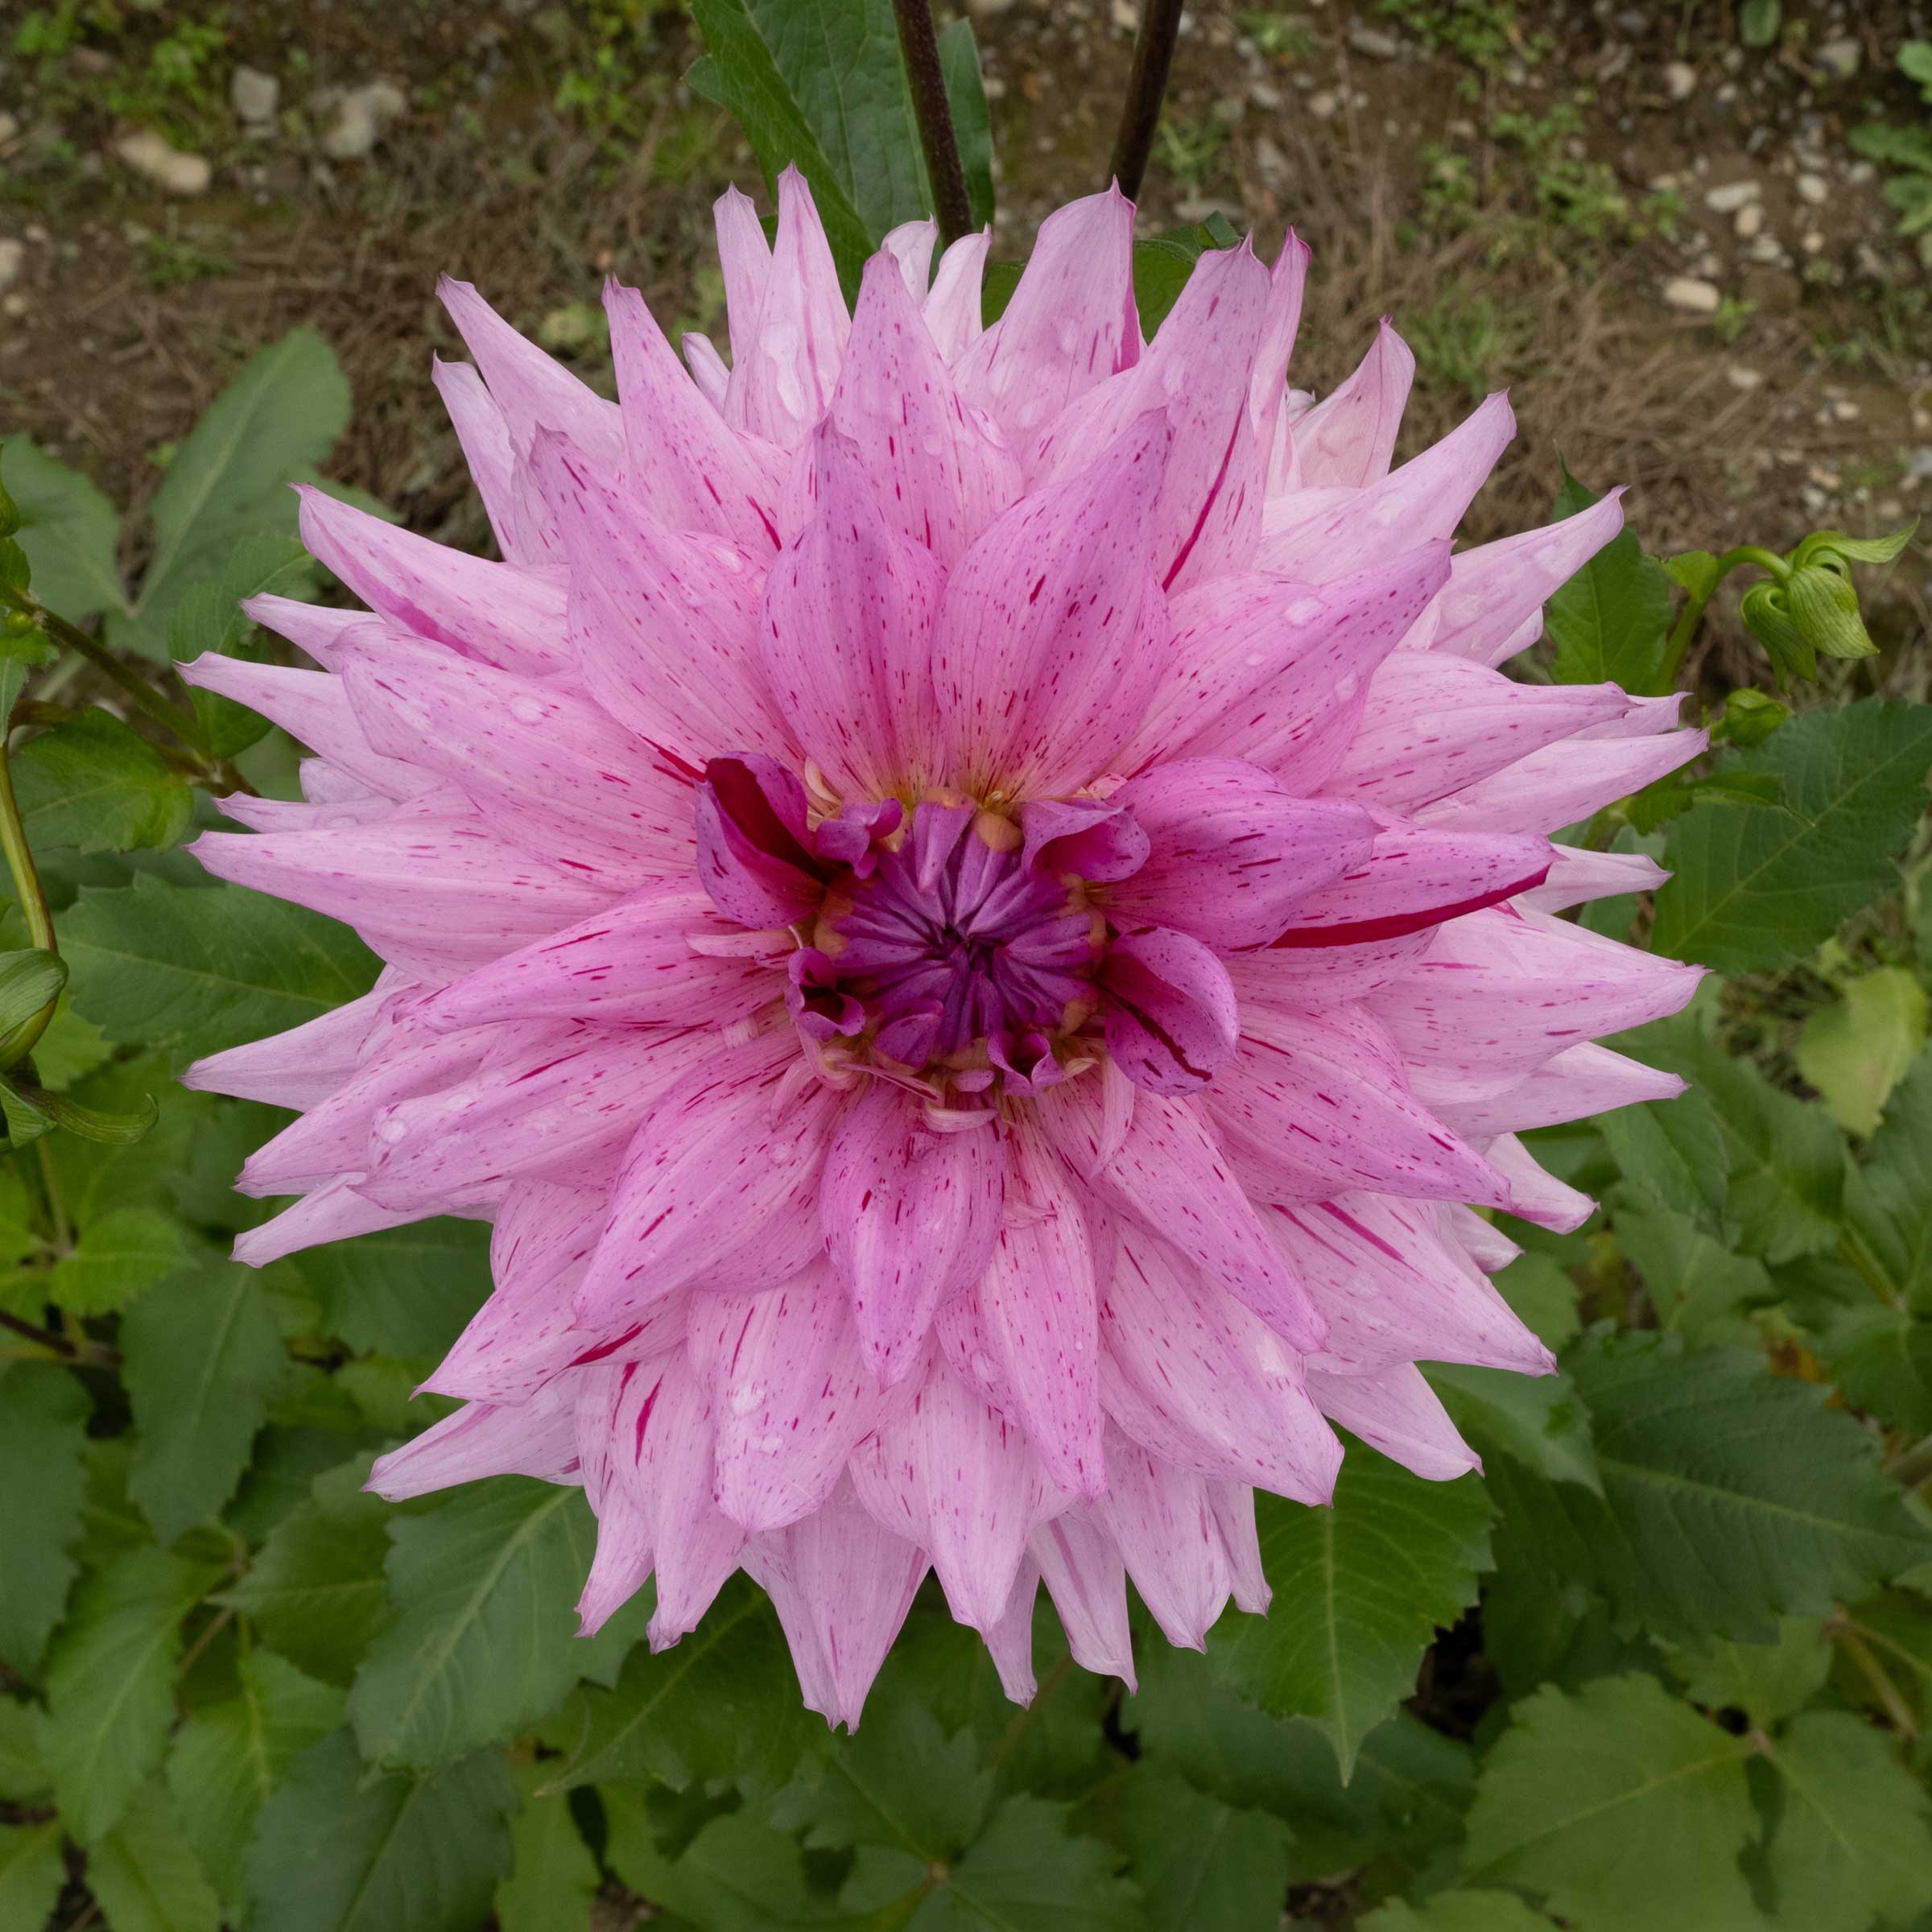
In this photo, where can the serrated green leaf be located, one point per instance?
(194, 970)
(96, 785)
(204, 1355)
(485, 1636)
(1857, 1050)
(145, 1875)
(1460, 1910)
(1766, 1682)
(1359, 1591)
(1673, 1153)
(228, 1757)
(1854, 1838)
(272, 424)
(110, 1684)
(1881, 1359)
(1894, 1206)
(554, 1877)
(31, 1873)
(723, 1702)
(741, 75)
(1604, 1803)
(1611, 620)
(1199, 1862)
(22, 1775)
(316, 1588)
(1753, 888)
(402, 1291)
(1697, 1287)
(1694, 570)
(735, 1874)
(119, 1257)
(42, 1429)
(1536, 1418)
(339, 1849)
(68, 530)
(1731, 1496)
(1541, 1291)
(1026, 1872)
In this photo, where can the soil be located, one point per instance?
(1515, 181)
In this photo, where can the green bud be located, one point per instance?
(1696, 570)
(1751, 717)
(1830, 546)
(1768, 618)
(1824, 606)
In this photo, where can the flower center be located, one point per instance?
(950, 942)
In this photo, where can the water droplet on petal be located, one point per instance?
(746, 1399)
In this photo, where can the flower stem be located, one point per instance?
(1146, 89)
(1692, 615)
(182, 724)
(95, 1354)
(920, 45)
(19, 1041)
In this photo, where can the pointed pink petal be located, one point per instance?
(1195, 1378)
(1166, 1173)
(1053, 632)
(1580, 1081)
(708, 369)
(335, 1213)
(537, 1437)
(1164, 1524)
(1081, 1565)
(1233, 1506)
(909, 1217)
(484, 438)
(953, 308)
(1576, 877)
(1397, 1412)
(846, 631)
(1348, 436)
(1234, 852)
(1536, 1195)
(1170, 1013)
(1564, 782)
(1496, 589)
(745, 256)
(1071, 323)
(1010, 1642)
(309, 627)
(909, 247)
(1323, 539)
(299, 1068)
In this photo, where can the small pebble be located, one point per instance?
(13, 257)
(1692, 295)
(1731, 196)
(1680, 80)
(172, 171)
(1812, 189)
(253, 95)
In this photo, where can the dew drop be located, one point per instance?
(526, 710)
(1305, 610)
(745, 1400)
(771, 1444)
(983, 1366)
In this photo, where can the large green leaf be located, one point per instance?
(1767, 1682)
(402, 1291)
(555, 1878)
(272, 423)
(1620, 1807)
(740, 74)
(230, 1755)
(204, 1355)
(121, 1254)
(110, 1685)
(145, 1875)
(31, 1873)
(1758, 887)
(1855, 1050)
(1611, 622)
(1536, 1418)
(1026, 1873)
(43, 1429)
(1461, 1910)
(966, 96)
(1854, 1840)
(1697, 1287)
(1731, 1495)
(1672, 1152)
(1359, 1590)
(96, 785)
(317, 1589)
(1892, 1211)
(1199, 1862)
(193, 970)
(484, 1637)
(209, 618)
(68, 530)
(339, 1849)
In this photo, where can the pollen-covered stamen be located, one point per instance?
(953, 939)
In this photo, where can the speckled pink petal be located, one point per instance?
(1395, 1411)
(1564, 783)
(491, 459)
(953, 307)
(1080, 1564)
(1169, 1010)
(1348, 436)
(537, 1437)
(1162, 1520)
(1496, 588)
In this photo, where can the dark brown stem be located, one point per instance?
(920, 44)
(1146, 88)
(95, 1354)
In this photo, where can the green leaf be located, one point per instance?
(1606, 1803)
(1758, 21)
(741, 73)
(554, 1877)
(1752, 887)
(1881, 1359)
(96, 785)
(228, 1757)
(1732, 1496)
(29, 980)
(70, 531)
(1026, 1873)
(145, 1875)
(1162, 265)
(193, 970)
(1894, 1630)
(1199, 1862)
(25, 1120)
(721, 1703)
(1897, 1178)
(90, 1123)
(1824, 544)
(735, 1874)
(1787, 1160)
(1360, 1589)
(23, 1775)
(273, 423)
(1540, 1290)
(317, 1589)
(204, 1355)
(339, 1849)
(1536, 1418)
(1611, 620)
(1766, 1682)
(1694, 570)
(209, 618)
(43, 1428)
(1673, 1153)
(1458, 1911)
(1856, 1051)
(110, 1685)
(1853, 1842)
(971, 123)
(402, 1291)
(485, 1636)
(1697, 1286)
(119, 1257)
(32, 1873)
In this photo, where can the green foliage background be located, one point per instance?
(1667, 1662)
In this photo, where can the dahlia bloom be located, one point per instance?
(972, 907)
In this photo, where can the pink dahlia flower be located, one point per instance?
(972, 905)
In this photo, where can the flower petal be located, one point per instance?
(1170, 1013)
(1348, 438)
